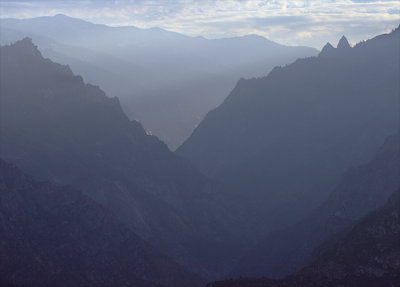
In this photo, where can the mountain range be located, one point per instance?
(292, 181)
(165, 80)
(56, 127)
(282, 142)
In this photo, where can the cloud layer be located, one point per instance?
(292, 22)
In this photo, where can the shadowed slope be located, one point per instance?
(368, 254)
(55, 236)
(284, 141)
(361, 190)
(56, 127)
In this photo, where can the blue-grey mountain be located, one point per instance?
(56, 127)
(361, 190)
(166, 80)
(283, 141)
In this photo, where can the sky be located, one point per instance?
(291, 22)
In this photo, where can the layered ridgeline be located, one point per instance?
(361, 190)
(55, 236)
(56, 127)
(284, 141)
(367, 254)
(166, 80)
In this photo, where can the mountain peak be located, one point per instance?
(343, 43)
(326, 50)
(59, 15)
(64, 17)
(26, 46)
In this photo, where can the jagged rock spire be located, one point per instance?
(343, 43)
(326, 50)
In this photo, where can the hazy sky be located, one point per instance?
(293, 22)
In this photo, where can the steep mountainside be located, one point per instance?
(166, 80)
(361, 190)
(56, 127)
(55, 236)
(284, 141)
(368, 254)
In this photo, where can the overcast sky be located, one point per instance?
(293, 22)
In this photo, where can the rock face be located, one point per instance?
(56, 236)
(56, 127)
(361, 190)
(368, 254)
(284, 141)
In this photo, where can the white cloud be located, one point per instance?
(290, 22)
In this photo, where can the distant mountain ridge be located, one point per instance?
(282, 142)
(166, 80)
(58, 128)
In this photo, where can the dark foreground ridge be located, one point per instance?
(368, 254)
(55, 236)
(361, 190)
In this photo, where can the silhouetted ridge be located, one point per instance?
(166, 80)
(56, 127)
(284, 141)
(26, 47)
(329, 51)
(343, 43)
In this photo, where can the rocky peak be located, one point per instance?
(343, 43)
(327, 50)
(26, 47)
